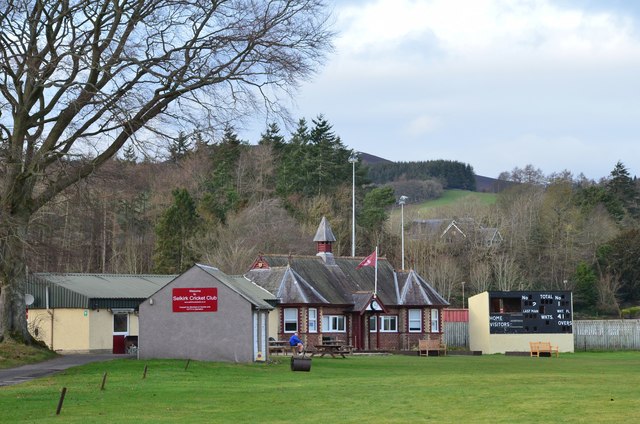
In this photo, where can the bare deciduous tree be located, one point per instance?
(79, 78)
(445, 275)
(480, 275)
(265, 227)
(608, 288)
(507, 273)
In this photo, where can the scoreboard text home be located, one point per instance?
(516, 312)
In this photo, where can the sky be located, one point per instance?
(497, 84)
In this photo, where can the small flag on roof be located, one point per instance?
(370, 260)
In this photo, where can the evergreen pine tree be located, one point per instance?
(272, 137)
(622, 188)
(174, 230)
(221, 194)
(179, 147)
(129, 154)
(586, 290)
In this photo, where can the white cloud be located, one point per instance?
(494, 83)
(480, 27)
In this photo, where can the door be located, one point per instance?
(120, 331)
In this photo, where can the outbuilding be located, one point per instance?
(82, 313)
(507, 321)
(205, 314)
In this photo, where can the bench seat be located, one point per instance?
(536, 348)
(425, 346)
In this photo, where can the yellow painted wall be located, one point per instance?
(101, 330)
(133, 324)
(501, 343)
(39, 324)
(71, 330)
(274, 320)
(76, 330)
(479, 322)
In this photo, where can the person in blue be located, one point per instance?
(295, 341)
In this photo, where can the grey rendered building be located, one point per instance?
(205, 314)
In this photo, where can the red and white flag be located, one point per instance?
(370, 260)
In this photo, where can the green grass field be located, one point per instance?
(575, 388)
(451, 197)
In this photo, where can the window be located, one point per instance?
(120, 323)
(415, 320)
(389, 324)
(435, 321)
(313, 320)
(333, 324)
(290, 320)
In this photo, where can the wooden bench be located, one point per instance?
(536, 348)
(424, 346)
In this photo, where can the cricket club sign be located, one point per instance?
(203, 299)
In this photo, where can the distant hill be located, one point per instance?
(483, 184)
(491, 185)
(368, 159)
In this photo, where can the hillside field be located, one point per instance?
(449, 199)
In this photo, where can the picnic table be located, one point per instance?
(332, 349)
(279, 346)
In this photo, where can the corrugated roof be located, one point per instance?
(74, 290)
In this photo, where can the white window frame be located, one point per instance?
(373, 324)
(435, 321)
(332, 324)
(313, 320)
(121, 332)
(414, 317)
(386, 321)
(288, 315)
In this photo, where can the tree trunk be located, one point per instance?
(13, 321)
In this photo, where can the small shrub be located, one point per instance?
(631, 312)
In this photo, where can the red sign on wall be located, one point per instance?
(204, 299)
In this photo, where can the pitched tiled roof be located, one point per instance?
(312, 280)
(415, 291)
(361, 300)
(287, 285)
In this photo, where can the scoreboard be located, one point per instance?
(523, 312)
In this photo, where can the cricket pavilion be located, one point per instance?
(364, 303)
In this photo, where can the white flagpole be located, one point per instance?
(375, 280)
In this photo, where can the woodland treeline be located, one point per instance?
(224, 201)
(451, 174)
(218, 201)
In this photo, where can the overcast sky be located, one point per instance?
(496, 84)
